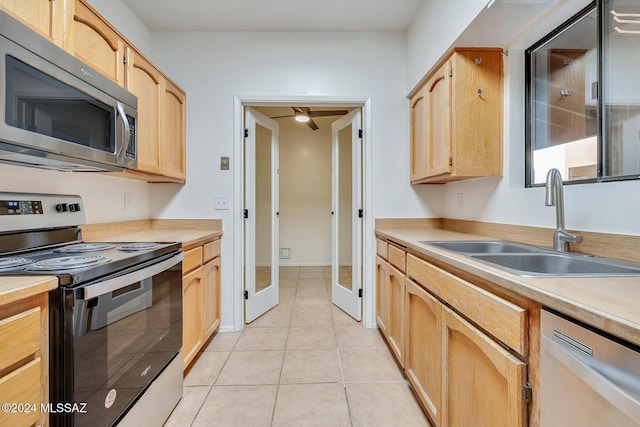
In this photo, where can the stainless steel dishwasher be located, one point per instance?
(587, 378)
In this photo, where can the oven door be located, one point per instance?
(119, 334)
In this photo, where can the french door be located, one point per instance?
(261, 211)
(346, 259)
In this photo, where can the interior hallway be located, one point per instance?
(304, 363)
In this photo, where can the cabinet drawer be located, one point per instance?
(381, 248)
(211, 250)
(21, 386)
(20, 337)
(192, 259)
(397, 258)
(504, 320)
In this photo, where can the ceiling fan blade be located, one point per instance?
(327, 113)
(282, 117)
(312, 124)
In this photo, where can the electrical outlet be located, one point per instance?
(223, 203)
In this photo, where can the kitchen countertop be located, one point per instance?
(14, 288)
(611, 304)
(189, 238)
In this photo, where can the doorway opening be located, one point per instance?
(307, 216)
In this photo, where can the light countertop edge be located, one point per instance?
(611, 304)
(14, 288)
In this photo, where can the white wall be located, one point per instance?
(213, 67)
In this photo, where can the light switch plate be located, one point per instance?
(223, 203)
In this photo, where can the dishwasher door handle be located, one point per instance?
(613, 393)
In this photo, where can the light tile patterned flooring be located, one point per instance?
(304, 363)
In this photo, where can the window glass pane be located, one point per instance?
(621, 88)
(563, 99)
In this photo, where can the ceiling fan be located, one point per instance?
(304, 115)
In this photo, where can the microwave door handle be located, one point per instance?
(119, 282)
(121, 143)
(595, 379)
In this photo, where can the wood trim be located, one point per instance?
(186, 224)
(397, 258)
(97, 232)
(408, 223)
(192, 259)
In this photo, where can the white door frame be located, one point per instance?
(368, 254)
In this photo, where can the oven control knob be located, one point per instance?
(74, 207)
(62, 207)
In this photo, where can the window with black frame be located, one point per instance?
(583, 97)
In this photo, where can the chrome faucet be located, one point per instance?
(554, 196)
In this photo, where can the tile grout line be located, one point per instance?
(284, 352)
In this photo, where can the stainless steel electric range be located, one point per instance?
(115, 320)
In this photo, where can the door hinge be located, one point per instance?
(360, 293)
(450, 161)
(360, 133)
(245, 213)
(527, 393)
(124, 59)
(246, 295)
(246, 132)
(360, 213)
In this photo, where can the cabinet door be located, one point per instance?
(192, 292)
(483, 380)
(144, 81)
(172, 137)
(211, 309)
(423, 347)
(91, 40)
(395, 325)
(438, 122)
(382, 295)
(418, 135)
(43, 16)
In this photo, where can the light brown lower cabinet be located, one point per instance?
(423, 349)
(200, 298)
(462, 375)
(391, 298)
(24, 358)
(483, 380)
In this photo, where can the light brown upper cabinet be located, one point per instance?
(42, 16)
(95, 43)
(161, 122)
(172, 136)
(456, 118)
(146, 82)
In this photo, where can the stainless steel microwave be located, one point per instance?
(58, 113)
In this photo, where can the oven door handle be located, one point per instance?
(116, 283)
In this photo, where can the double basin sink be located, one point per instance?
(532, 261)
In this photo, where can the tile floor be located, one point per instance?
(304, 363)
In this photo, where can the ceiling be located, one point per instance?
(276, 15)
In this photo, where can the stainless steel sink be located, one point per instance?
(483, 246)
(559, 265)
(532, 261)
